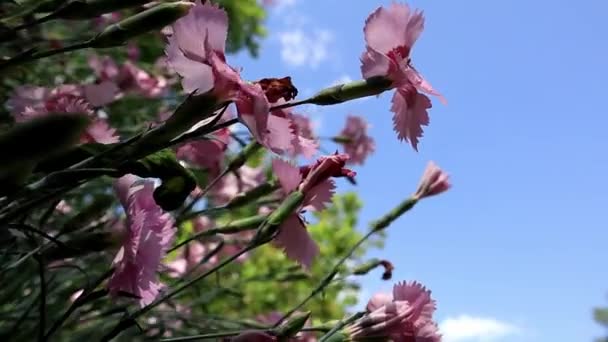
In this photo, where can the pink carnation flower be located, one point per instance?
(149, 233)
(196, 51)
(98, 130)
(406, 315)
(36, 97)
(314, 181)
(390, 34)
(128, 77)
(360, 145)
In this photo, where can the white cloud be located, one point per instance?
(301, 48)
(280, 5)
(475, 329)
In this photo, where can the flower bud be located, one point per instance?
(293, 326)
(152, 19)
(350, 91)
(434, 181)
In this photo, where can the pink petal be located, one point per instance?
(203, 20)
(26, 96)
(122, 187)
(417, 296)
(296, 242)
(378, 300)
(279, 136)
(253, 110)
(361, 144)
(319, 196)
(227, 79)
(386, 29)
(196, 76)
(433, 182)
(374, 63)
(189, 32)
(100, 131)
(305, 127)
(410, 108)
(288, 174)
(104, 67)
(422, 84)
(100, 94)
(306, 147)
(150, 232)
(215, 21)
(177, 267)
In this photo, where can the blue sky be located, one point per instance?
(516, 251)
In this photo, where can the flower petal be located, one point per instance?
(422, 84)
(410, 108)
(417, 296)
(319, 196)
(100, 94)
(378, 300)
(374, 63)
(296, 242)
(388, 28)
(196, 76)
(289, 175)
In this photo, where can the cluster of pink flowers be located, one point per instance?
(405, 315)
(128, 77)
(29, 102)
(196, 52)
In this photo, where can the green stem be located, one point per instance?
(375, 226)
(237, 226)
(48, 53)
(291, 104)
(341, 325)
(206, 336)
(327, 279)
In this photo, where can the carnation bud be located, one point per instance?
(350, 91)
(152, 19)
(293, 326)
(372, 264)
(434, 181)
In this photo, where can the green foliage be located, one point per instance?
(270, 282)
(601, 317)
(246, 24)
(85, 239)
